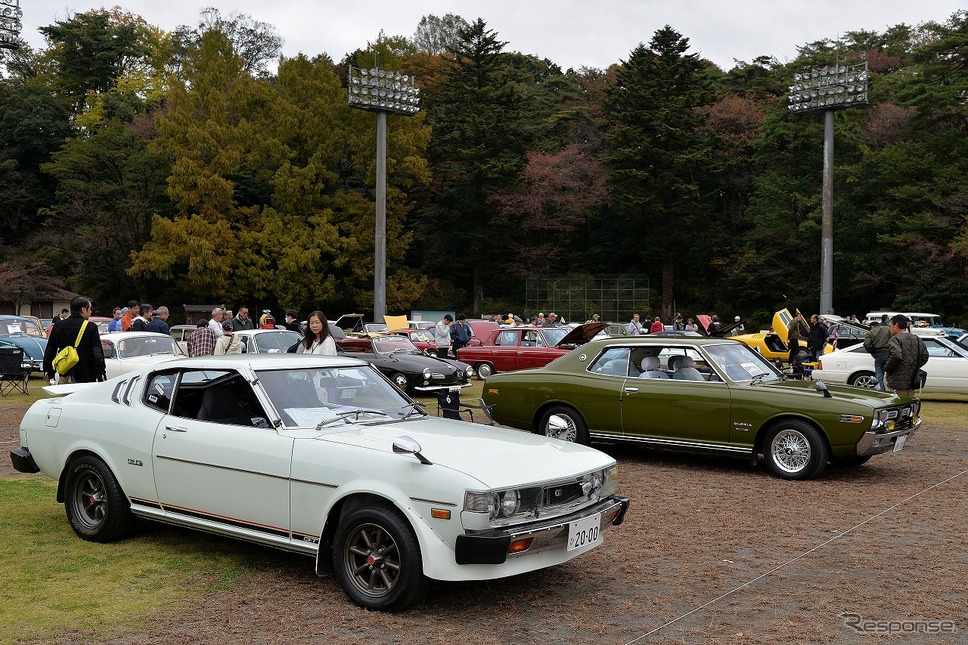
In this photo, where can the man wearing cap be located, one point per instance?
(202, 340)
(228, 343)
(552, 320)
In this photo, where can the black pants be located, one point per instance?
(443, 352)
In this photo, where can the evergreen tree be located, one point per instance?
(658, 157)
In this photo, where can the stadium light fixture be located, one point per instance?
(827, 89)
(384, 92)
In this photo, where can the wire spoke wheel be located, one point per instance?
(791, 452)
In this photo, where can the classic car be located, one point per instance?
(267, 341)
(515, 348)
(921, 321)
(703, 394)
(947, 366)
(770, 344)
(26, 333)
(125, 351)
(422, 339)
(408, 367)
(320, 456)
(181, 334)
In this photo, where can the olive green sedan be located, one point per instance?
(702, 394)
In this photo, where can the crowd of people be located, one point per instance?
(214, 335)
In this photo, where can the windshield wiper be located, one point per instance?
(758, 378)
(345, 415)
(415, 408)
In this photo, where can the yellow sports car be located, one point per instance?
(772, 344)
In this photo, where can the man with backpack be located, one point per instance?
(876, 343)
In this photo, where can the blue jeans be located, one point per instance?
(879, 363)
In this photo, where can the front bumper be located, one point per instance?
(23, 461)
(491, 546)
(874, 443)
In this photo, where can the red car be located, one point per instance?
(515, 348)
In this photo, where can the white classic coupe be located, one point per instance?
(321, 456)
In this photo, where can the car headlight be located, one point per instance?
(497, 504)
(469, 372)
(506, 504)
(426, 373)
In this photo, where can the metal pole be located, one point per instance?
(380, 252)
(827, 223)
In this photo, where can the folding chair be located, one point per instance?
(13, 375)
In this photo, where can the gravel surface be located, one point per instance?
(713, 550)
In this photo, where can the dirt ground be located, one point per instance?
(713, 551)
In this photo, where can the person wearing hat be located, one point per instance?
(228, 342)
(202, 340)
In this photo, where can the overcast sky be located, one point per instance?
(571, 33)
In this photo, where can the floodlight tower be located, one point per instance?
(10, 15)
(383, 92)
(825, 89)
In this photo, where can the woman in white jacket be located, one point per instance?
(317, 340)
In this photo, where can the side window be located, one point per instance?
(532, 339)
(614, 361)
(218, 396)
(108, 348)
(507, 339)
(158, 394)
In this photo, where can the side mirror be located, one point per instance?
(822, 387)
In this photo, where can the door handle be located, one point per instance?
(175, 429)
(631, 390)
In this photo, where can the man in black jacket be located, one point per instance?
(90, 364)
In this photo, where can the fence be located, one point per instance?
(575, 297)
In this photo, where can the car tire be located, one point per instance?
(96, 507)
(576, 431)
(483, 370)
(377, 559)
(863, 379)
(399, 380)
(795, 450)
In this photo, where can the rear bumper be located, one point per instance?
(23, 461)
(491, 547)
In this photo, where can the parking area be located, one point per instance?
(713, 551)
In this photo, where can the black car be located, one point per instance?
(409, 369)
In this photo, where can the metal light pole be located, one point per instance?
(827, 89)
(381, 91)
(10, 15)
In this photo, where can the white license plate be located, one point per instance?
(899, 443)
(585, 532)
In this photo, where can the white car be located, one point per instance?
(125, 351)
(321, 456)
(947, 366)
(267, 341)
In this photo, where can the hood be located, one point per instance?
(350, 323)
(582, 333)
(781, 324)
(496, 457)
(395, 322)
(840, 392)
(33, 346)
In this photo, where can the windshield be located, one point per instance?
(148, 346)
(553, 335)
(390, 344)
(315, 396)
(741, 363)
(274, 342)
(12, 327)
